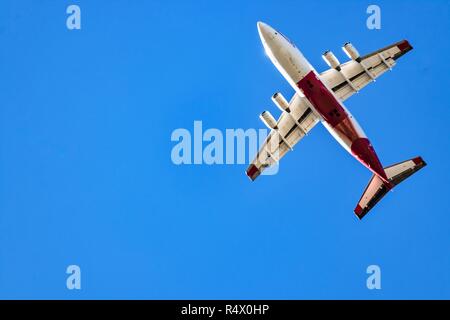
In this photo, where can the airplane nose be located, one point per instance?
(259, 24)
(264, 31)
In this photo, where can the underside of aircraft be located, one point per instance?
(319, 98)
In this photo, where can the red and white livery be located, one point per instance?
(319, 98)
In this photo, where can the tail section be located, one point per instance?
(377, 188)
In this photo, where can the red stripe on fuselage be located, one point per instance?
(322, 99)
(363, 150)
(335, 115)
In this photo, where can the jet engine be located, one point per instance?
(281, 102)
(268, 120)
(351, 52)
(331, 60)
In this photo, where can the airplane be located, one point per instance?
(319, 98)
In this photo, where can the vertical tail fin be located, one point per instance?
(377, 188)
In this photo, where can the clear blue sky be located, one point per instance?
(86, 176)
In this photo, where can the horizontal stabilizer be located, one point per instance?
(377, 188)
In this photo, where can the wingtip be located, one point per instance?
(252, 172)
(419, 161)
(405, 46)
(359, 212)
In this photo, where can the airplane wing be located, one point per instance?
(356, 74)
(291, 128)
